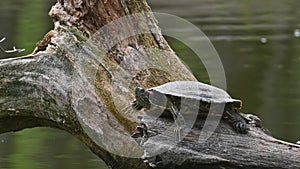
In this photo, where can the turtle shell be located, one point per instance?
(198, 91)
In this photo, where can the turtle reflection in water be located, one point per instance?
(175, 93)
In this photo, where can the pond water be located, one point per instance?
(259, 45)
(257, 41)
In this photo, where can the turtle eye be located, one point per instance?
(138, 90)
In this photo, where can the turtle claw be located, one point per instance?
(141, 131)
(127, 109)
(239, 123)
(241, 127)
(134, 106)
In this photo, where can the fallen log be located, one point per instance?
(81, 77)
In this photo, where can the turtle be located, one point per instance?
(196, 95)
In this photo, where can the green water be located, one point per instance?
(266, 76)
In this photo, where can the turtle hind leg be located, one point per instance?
(239, 123)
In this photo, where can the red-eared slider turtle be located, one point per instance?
(180, 91)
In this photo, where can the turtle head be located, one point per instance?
(141, 99)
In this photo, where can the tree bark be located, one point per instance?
(79, 79)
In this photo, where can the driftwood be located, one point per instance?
(77, 81)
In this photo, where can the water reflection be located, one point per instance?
(45, 148)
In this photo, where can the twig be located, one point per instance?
(14, 50)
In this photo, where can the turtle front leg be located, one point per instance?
(141, 131)
(179, 121)
(136, 106)
(239, 123)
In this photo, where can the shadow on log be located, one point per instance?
(80, 79)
